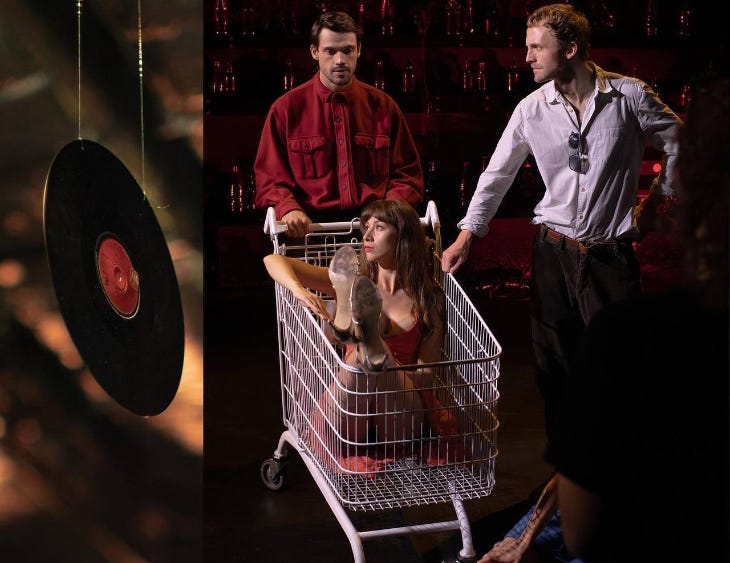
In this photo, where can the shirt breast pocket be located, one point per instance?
(613, 144)
(371, 155)
(308, 156)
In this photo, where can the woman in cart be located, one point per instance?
(389, 311)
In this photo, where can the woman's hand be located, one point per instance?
(311, 301)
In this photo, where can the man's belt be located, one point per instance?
(583, 247)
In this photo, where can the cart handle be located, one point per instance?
(274, 227)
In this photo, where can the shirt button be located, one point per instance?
(340, 141)
(582, 189)
(344, 187)
(338, 119)
(343, 164)
(580, 216)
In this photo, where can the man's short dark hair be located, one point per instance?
(339, 22)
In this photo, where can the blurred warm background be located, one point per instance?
(81, 478)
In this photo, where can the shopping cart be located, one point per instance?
(450, 455)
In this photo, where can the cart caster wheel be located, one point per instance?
(272, 474)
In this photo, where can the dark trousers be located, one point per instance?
(569, 286)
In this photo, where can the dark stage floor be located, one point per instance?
(245, 521)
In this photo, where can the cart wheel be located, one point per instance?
(272, 474)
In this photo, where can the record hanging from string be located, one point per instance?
(113, 277)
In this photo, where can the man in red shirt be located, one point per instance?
(334, 144)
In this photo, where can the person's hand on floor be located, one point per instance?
(509, 550)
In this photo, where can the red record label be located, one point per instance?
(118, 277)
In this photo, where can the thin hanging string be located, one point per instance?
(141, 88)
(140, 65)
(78, 55)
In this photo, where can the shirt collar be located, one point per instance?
(603, 85)
(326, 95)
(603, 82)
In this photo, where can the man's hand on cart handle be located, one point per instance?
(455, 255)
(297, 223)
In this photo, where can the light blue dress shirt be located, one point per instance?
(622, 116)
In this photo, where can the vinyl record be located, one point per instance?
(113, 277)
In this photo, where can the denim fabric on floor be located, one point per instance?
(549, 542)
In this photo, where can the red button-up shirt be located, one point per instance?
(335, 151)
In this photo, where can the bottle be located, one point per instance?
(236, 193)
(655, 86)
(429, 184)
(464, 188)
(361, 16)
(491, 20)
(433, 105)
(481, 77)
(513, 76)
(248, 21)
(487, 104)
(409, 78)
(229, 79)
(294, 20)
(650, 20)
(216, 84)
(379, 75)
(485, 162)
(467, 77)
(288, 75)
(249, 192)
(685, 20)
(467, 23)
(686, 97)
(453, 18)
(220, 18)
(387, 16)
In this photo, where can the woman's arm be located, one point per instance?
(302, 280)
(578, 515)
(429, 351)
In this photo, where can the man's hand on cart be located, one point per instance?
(297, 223)
(455, 255)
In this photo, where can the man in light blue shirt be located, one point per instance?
(587, 129)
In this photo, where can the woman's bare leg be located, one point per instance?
(397, 408)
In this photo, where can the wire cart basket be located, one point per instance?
(441, 450)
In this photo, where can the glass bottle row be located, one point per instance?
(231, 21)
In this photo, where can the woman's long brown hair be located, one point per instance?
(413, 260)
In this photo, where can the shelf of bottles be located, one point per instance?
(434, 47)
(455, 67)
(498, 23)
